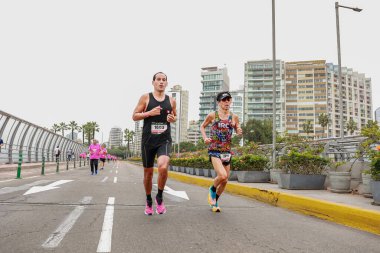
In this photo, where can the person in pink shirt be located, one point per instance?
(94, 150)
(103, 155)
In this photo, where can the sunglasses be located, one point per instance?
(226, 99)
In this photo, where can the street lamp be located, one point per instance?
(339, 62)
(274, 82)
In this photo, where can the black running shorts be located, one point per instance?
(149, 153)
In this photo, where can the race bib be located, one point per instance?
(225, 157)
(158, 128)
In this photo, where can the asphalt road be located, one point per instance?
(99, 213)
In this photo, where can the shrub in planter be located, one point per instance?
(302, 170)
(250, 168)
(375, 184)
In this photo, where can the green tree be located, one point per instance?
(200, 144)
(94, 128)
(307, 127)
(128, 137)
(87, 132)
(323, 120)
(187, 146)
(351, 126)
(63, 127)
(55, 128)
(259, 131)
(73, 126)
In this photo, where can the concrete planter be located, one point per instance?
(170, 167)
(182, 169)
(213, 173)
(206, 172)
(302, 182)
(274, 175)
(340, 181)
(190, 171)
(375, 185)
(365, 188)
(252, 176)
(233, 175)
(198, 172)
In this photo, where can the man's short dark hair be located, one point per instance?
(154, 77)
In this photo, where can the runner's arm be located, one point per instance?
(237, 127)
(172, 117)
(138, 113)
(210, 117)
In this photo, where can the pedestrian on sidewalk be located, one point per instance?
(69, 154)
(57, 153)
(222, 124)
(94, 150)
(1, 143)
(103, 155)
(157, 110)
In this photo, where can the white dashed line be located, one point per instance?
(115, 180)
(56, 237)
(106, 235)
(104, 179)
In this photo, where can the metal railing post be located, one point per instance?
(43, 166)
(19, 165)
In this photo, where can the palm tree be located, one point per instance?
(73, 126)
(87, 130)
(323, 120)
(55, 128)
(307, 127)
(94, 128)
(63, 127)
(351, 126)
(128, 137)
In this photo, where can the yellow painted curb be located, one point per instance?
(366, 220)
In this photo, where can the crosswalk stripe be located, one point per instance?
(115, 180)
(56, 237)
(104, 179)
(106, 235)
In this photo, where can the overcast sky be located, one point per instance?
(92, 60)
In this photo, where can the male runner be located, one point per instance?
(223, 122)
(158, 111)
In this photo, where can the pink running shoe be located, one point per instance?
(148, 209)
(160, 209)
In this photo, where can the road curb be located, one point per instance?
(362, 219)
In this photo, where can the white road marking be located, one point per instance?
(51, 186)
(180, 194)
(104, 179)
(106, 235)
(22, 187)
(117, 171)
(115, 180)
(56, 237)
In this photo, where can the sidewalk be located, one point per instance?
(9, 171)
(350, 210)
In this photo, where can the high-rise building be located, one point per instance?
(306, 96)
(193, 133)
(179, 128)
(356, 95)
(136, 146)
(116, 137)
(377, 115)
(214, 80)
(238, 102)
(258, 92)
(312, 89)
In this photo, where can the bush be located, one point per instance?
(375, 168)
(304, 163)
(250, 163)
